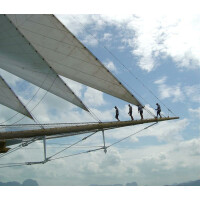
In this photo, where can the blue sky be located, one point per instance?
(162, 50)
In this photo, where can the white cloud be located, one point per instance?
(110, 65)
(190, 147)
(161, 81)
(10, 78)
(75, 86)
(178, 92)
(169, 131)
(119, 165)
(164, 35)
(195, 111)
(107, 115)
(107, 36)
(169, 91)
(160, 34)
(193, 92)
(93, 97)
(90, 40)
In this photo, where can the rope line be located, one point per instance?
(131, 135)
(17, 165)
(93, 150)
(72, 145)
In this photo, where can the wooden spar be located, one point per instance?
(68, 130)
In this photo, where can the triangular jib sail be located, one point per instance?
(67, 56)
(9, 99)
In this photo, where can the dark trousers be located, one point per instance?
(158, 113)
(131, 115)
(116, 116)
(141, 114)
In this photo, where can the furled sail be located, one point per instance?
(19, 57)
(67, 55)
(9, 99)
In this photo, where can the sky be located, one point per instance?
(150, 52)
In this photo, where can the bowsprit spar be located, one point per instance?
(39, 48)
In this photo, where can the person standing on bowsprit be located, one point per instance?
(130, 112)
(117, 113)
(140, 110)
(158, 110)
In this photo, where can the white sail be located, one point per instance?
(19, 57)
(67, 55)
(9, 99)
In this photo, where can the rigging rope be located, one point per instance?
(132, 135)
(77, 154)
(72, 145)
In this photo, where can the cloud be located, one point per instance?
(161, 81)
(164, 36)
(168, 131)
(107, 36)
(93, 97)
(193, 92)
(178, 93)
(190, 147)
(195, 111)
(119, 165)
(150, 37)
(166, 91)
(10, 78)
(90, 40)
(106, 115)
(75, 86)
(110, 65)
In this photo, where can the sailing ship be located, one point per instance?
(39, 48)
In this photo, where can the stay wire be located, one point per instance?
(17, 165)
(11, 164)
(93, 115)
(77, 154)
(131, 135)
(72, 145)
(127, 69)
